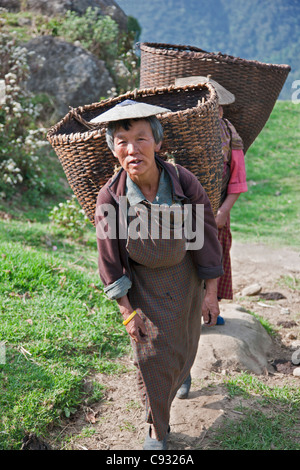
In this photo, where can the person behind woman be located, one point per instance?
(233, 184)
(157, 281)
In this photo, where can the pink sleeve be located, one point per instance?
(237, 182)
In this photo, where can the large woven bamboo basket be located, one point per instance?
(256, 85)
(191, 138)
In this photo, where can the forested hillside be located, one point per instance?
(264, 30)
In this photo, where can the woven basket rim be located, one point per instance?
(100, 128)
(192, 52)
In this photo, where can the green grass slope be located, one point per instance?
(269, 211)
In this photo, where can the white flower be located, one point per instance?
(2, 92)
(10, 166)
(17, 107)
(7, 179)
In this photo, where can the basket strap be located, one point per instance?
(171, 159)
(90, 125)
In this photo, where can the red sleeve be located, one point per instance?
(237, 183)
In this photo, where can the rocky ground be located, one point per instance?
(117, 422)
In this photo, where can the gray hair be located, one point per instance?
(113, 126)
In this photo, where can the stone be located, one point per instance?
(285, 311)
(69, 74)
(296, 372)
(242, 343)
(253, 289)
(296, 357)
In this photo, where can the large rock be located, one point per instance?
(71, 75)
(241, 344)
(59, 7)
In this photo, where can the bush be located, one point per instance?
(70, 217)
(20, 137)
(98, 34)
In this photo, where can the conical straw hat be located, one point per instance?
(225, 97)
(129, 109)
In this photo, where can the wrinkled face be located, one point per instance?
(135, 148)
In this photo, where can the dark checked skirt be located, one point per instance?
(166, 288)
(225, 281)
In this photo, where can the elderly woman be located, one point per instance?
(157, 281)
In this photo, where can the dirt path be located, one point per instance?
(117, 422)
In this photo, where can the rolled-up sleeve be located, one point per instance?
(237, 182)
(119, 288)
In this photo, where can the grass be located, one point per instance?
(270, 417)
(269, 211)
(264, 322)
(57, 327)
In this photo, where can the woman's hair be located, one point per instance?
(113, 126)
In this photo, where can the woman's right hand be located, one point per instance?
(136, 328)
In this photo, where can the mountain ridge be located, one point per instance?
(263, 30)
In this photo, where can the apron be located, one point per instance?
(165, 286)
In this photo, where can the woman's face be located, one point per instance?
(135, 149)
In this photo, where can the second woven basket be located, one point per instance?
(256, 85)
(191, 137)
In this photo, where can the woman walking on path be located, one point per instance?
(157, 281)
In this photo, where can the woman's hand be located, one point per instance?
(225, 209)
(136, 327)
(210, 306)
(221, 217)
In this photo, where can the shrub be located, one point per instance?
(70, 217)
(98, 34)
(20, 138)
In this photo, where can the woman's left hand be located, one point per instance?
(221, 217)
(210, 306)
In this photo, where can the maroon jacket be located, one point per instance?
(113, 258)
